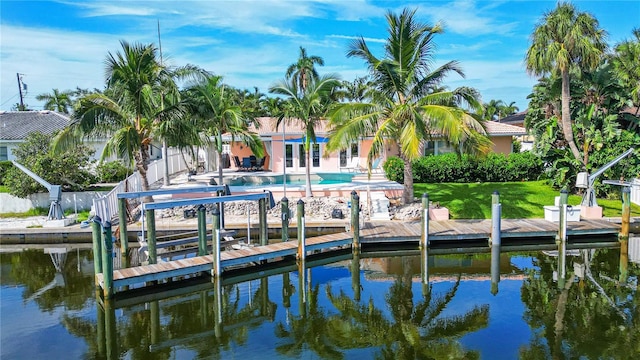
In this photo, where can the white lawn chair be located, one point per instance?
(354, 165)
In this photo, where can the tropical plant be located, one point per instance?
(625, 64)
(566, 39)
(215, 107)
(60, 101)
(306, 106)
(492, 109)
(304, 69)
(132, 111)
(70, 169)
(408, 105)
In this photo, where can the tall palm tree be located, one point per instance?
(214, 105)
(307, 107)
(492, 109)
(60, 101)
(130, 110)
(564, 39)
(509, 109)
(304, 69)
(408, 105)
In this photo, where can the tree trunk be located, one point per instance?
(219, 150)
(307, 172)
(141, 165)
(567, 128)
(407, 195)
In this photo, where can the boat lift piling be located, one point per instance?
(302, 253)
(355, 220)
(496, 218)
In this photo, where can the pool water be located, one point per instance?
(292, 179)
(352, 308)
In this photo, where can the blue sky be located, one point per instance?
(63, 44)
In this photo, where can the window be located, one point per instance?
(346, 155)
(4, 155)
(315, 154)
(288, 149)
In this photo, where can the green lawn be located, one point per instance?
(520, 200)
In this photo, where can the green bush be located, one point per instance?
(394, 169)
(111, 172)
(4, 167)
(451, 168)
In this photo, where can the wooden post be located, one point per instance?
(626, 213)
(111, 332)
(107, 260)
(96, 235)
(355, 219)
(496, 214)
(100, 330)
(262, 213)
(122, 224)
(285, 218)
(202, 230)
(301, 231)
(424, 236)
(150, 217)
(216, 270)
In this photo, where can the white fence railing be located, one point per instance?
(635, 191)
(106, 206)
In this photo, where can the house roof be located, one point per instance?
(16, 125)
(267, 128)
(516, 119)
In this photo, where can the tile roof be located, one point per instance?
(16, 125)
(267, 128)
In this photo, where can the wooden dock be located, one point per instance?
(372, 233)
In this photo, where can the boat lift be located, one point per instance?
(586, 181)
(55, 193)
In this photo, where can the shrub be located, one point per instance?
(394, 169)
(463, 169)
(4, 167)
(111, 172)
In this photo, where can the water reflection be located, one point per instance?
(418, 305)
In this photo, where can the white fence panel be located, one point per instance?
(635, 191)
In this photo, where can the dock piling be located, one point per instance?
(96, 235)
(302, 253)
(626, 213)
(355, 219)
(496, 218)
(202, 230)
(264, 235)
(107, 260)
(122, 224)
(424, 236)
(285, 218)
(216, 269)
(150, 216)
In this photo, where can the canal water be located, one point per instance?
(403, 305)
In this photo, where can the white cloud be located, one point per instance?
(465, 17)
(367, 39)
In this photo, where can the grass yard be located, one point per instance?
(520, 200)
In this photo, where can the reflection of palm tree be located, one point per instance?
(414, 330)
(308, 330)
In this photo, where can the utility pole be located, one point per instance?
(20, 91)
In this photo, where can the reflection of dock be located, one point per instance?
(533, 230)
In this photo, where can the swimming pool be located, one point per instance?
(292, 179)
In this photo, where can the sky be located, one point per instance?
(63, 44)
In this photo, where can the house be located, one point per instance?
(15, 126)
(289, 140)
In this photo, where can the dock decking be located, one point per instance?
(371, 233)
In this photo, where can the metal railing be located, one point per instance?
(105, 207)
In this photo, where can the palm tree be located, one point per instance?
(408, 104)
(492, 109)
(57, 100)
(625, 64)
(509, 109)
(566, 38)
(307, 107)
(304, 69)
(214, 105)
(130, 110)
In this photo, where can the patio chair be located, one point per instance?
(236, 161)
(260, 163)
(354, 165)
